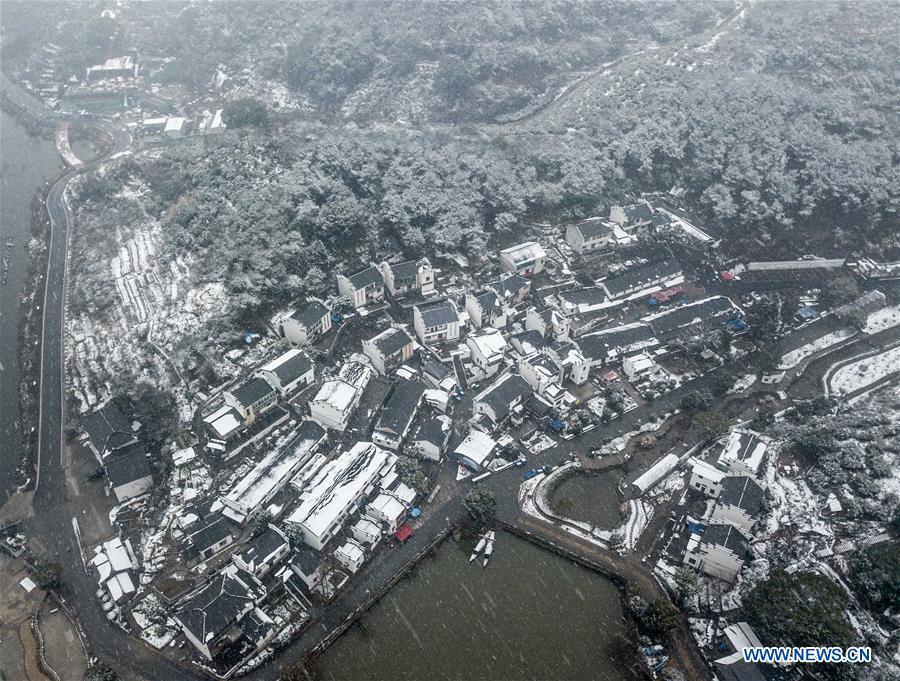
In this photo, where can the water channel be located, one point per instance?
(528, 615)
(590, 497)
(27, 162)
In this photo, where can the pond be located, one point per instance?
(528, 615)
(591, 498)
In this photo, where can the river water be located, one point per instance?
(529, 615)
(27, 162)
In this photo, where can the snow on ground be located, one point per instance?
(742, 384)
(794, 357)
(864, 372)
(885, 318)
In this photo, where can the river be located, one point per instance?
(27, 162)
(529, 615)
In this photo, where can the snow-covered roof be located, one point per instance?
(174, 124)
(656, 472)
(706, 470)
(478, 447)
(489, 342)
(387, 506)
(744, 446)
(337, 485)
(224, 421)
(290, 366)
(524, 252)
(341, 392)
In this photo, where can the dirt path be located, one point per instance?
(29, 653)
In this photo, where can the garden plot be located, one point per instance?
(791, 359)
(880, 320)
(865, 372)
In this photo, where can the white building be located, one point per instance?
(224, 423)
(744, 452)
(338, 398)
(526, 259)
(253, 491)
(387, 509)
(263, 553)
(365, 531)
(389, 349)
(706, 478)
(639, 367)
(488, 348)
(436, 322)
(655, 473)
(720, 551)
(413, 276)
(289, 371)
(250, 399)
(573, 365)
(397, 414)
(548, 322)
(590, 235)
(351, 555)
(485, 308)
(305, 324)
(128, 471)
(174, 127)
(543, 375)
(476, 450)
(632, 217)
(363, 288)
(336, 488)
(430, 441)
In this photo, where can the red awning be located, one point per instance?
(726, 276)
(403, 532)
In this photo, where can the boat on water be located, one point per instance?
(489, 549)
(479, 547)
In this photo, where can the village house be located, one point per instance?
(351, 555)
(612, 345)
(743, 453)
(435, 373)
(389, 510)
(695, 319)
(397, 414)
(639, 367)
(633, 217)
(526, 259)
(305, 324)
(430, 441)
(582, 301)
(252, 398)
(263, 553)
(858, 310)
(740, 503)
(253, 491)
(115, 67)
(642, 280)
(363, 288)
(542, 374)
(498, 401)
(476, 450)
(366, 531)
(223, 423)
(306, 563)
(413, 276)
(289, 371)
(547, 322)
(488, 351)
(512, 288)
(335, 488)
(573, 365)
(706, 478)
(436, 322)
(590, 235)
(720, 551)
(389, 349)
(128, 471)
(107, 430)
(485, 308)
(338, 398)
(210, 616)
(205, 539)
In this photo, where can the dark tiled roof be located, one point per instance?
(434, 431)
(371, 275)
(727, 536)
(253, 390)
(499, 396)
(593, 228)
(210, 533)
(107, 428)
(487, 299)
(263, 546)
(294, 368)
(433, 367)
(598, 345)
(641, 276)
(438, 313)
(400, 407)
(738, 671)
(310, 312)
(216, 607)
(744, 493)
(589, 295)
(392, 341)
(127, 465)
(511, 284)
(405, 271)
(713, 310)
(638, 212)
(306, 559)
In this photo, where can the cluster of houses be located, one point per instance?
(719, 543)
(329, 483)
